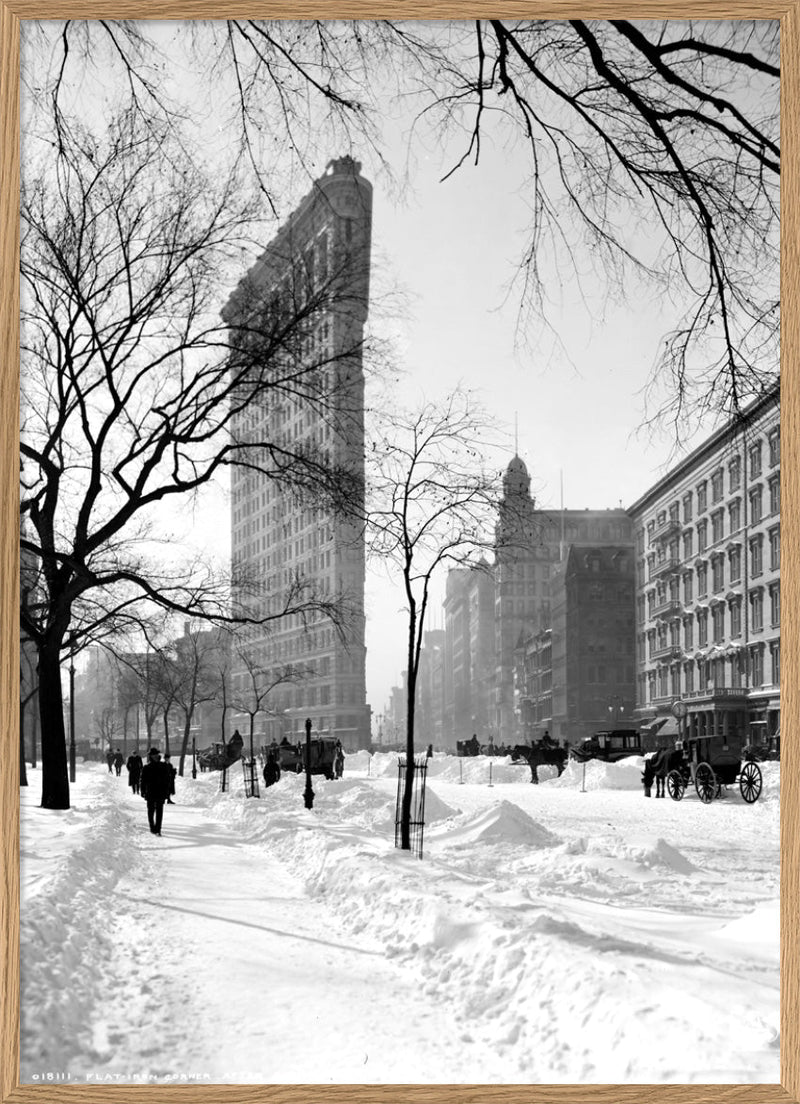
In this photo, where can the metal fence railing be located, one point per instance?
(417, 822)
(250, 768)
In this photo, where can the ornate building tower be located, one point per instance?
(522, 602)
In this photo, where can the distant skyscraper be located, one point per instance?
(314, 279)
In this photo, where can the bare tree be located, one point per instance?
(431, 506)
(258, 680)
(131, 385)
(653, 150)
(196, 658)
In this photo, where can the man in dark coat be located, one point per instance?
(110, 761)
(173, 770)
(272, 768)
(155, 786)
(118, 761)
(134, 766)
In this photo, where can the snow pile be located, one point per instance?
(502, 823)
(647, 851)
(626, 774)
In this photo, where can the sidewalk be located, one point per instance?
(239, 976)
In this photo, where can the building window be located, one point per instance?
(702, 536)
(754, 456)
(775, 605)
(716, 486)
(688, 633)
(735, 606)
(702, 580)
(688, 588)
(688, 677)
(756, 555)
(735, 564)
(755, 505)
(718, 623)
(687, 507)
(734, 516)
(775, 494)
(674, 512)
(775, 548)
(702, 496)
(718, 573)
(757, 666)
(675, 678)
(702, 628)
(662, 682)
(687, 544)
(717, 526)
(734, 474)
(775, 657)
(757, 610)
(774, 442)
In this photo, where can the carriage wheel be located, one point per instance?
(705, 782)
(750, 782)
(675, 785)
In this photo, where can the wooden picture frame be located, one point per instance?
(11, 12)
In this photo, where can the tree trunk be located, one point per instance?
(55, 774)
(185, 742)
(405, 813)
(166, 732)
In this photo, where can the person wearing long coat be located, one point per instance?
(272, 768)
(155, 787)
(172, 772)
(118, 761)
(134, 766)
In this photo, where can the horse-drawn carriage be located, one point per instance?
(704, 762)
(221, 756)
(610, 746)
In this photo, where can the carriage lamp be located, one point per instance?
(308, 795)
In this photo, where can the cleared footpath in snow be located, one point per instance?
(200, 915)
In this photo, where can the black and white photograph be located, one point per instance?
(399, 530)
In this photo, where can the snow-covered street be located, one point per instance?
(548, 935)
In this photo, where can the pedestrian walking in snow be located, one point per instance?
(110, 760)
(272, 768)
(134, 766)
(155, 786)
(172, 772)
(118, 761)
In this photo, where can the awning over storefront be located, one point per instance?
(664, 726)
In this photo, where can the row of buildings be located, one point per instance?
(589, 620)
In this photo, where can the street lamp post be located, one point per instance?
(194, 757)
(72, 717)
(308, 795)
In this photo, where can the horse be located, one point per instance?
(657, 767)
(540, 754)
